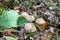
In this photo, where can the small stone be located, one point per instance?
(52, 8)
(46, 30)
(31, 38)
(51, 29)
(25, 37)
(47, 13)
(16, 7)
(34, 7)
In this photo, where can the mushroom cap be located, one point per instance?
(40, 21)
(28, 17)
(30, 27)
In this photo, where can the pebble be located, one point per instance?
(51, 29)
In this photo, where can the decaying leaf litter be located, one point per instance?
(30, 19)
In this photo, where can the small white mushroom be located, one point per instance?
(28, 17)
(30, 27)
(25, 14)
(40, 21)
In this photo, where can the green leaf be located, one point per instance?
(29, 34)
(30, 4)
(1, 11)
(8, 19)
(21, 20)
(58, 36)
(48, 5)
(10, 38)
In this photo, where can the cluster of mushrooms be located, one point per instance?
(43, 20)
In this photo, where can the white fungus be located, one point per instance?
(40, 21)
(30, 27)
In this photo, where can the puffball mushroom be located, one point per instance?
(41, 21)
(25, 14)
(30, 27)
(28, 17)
